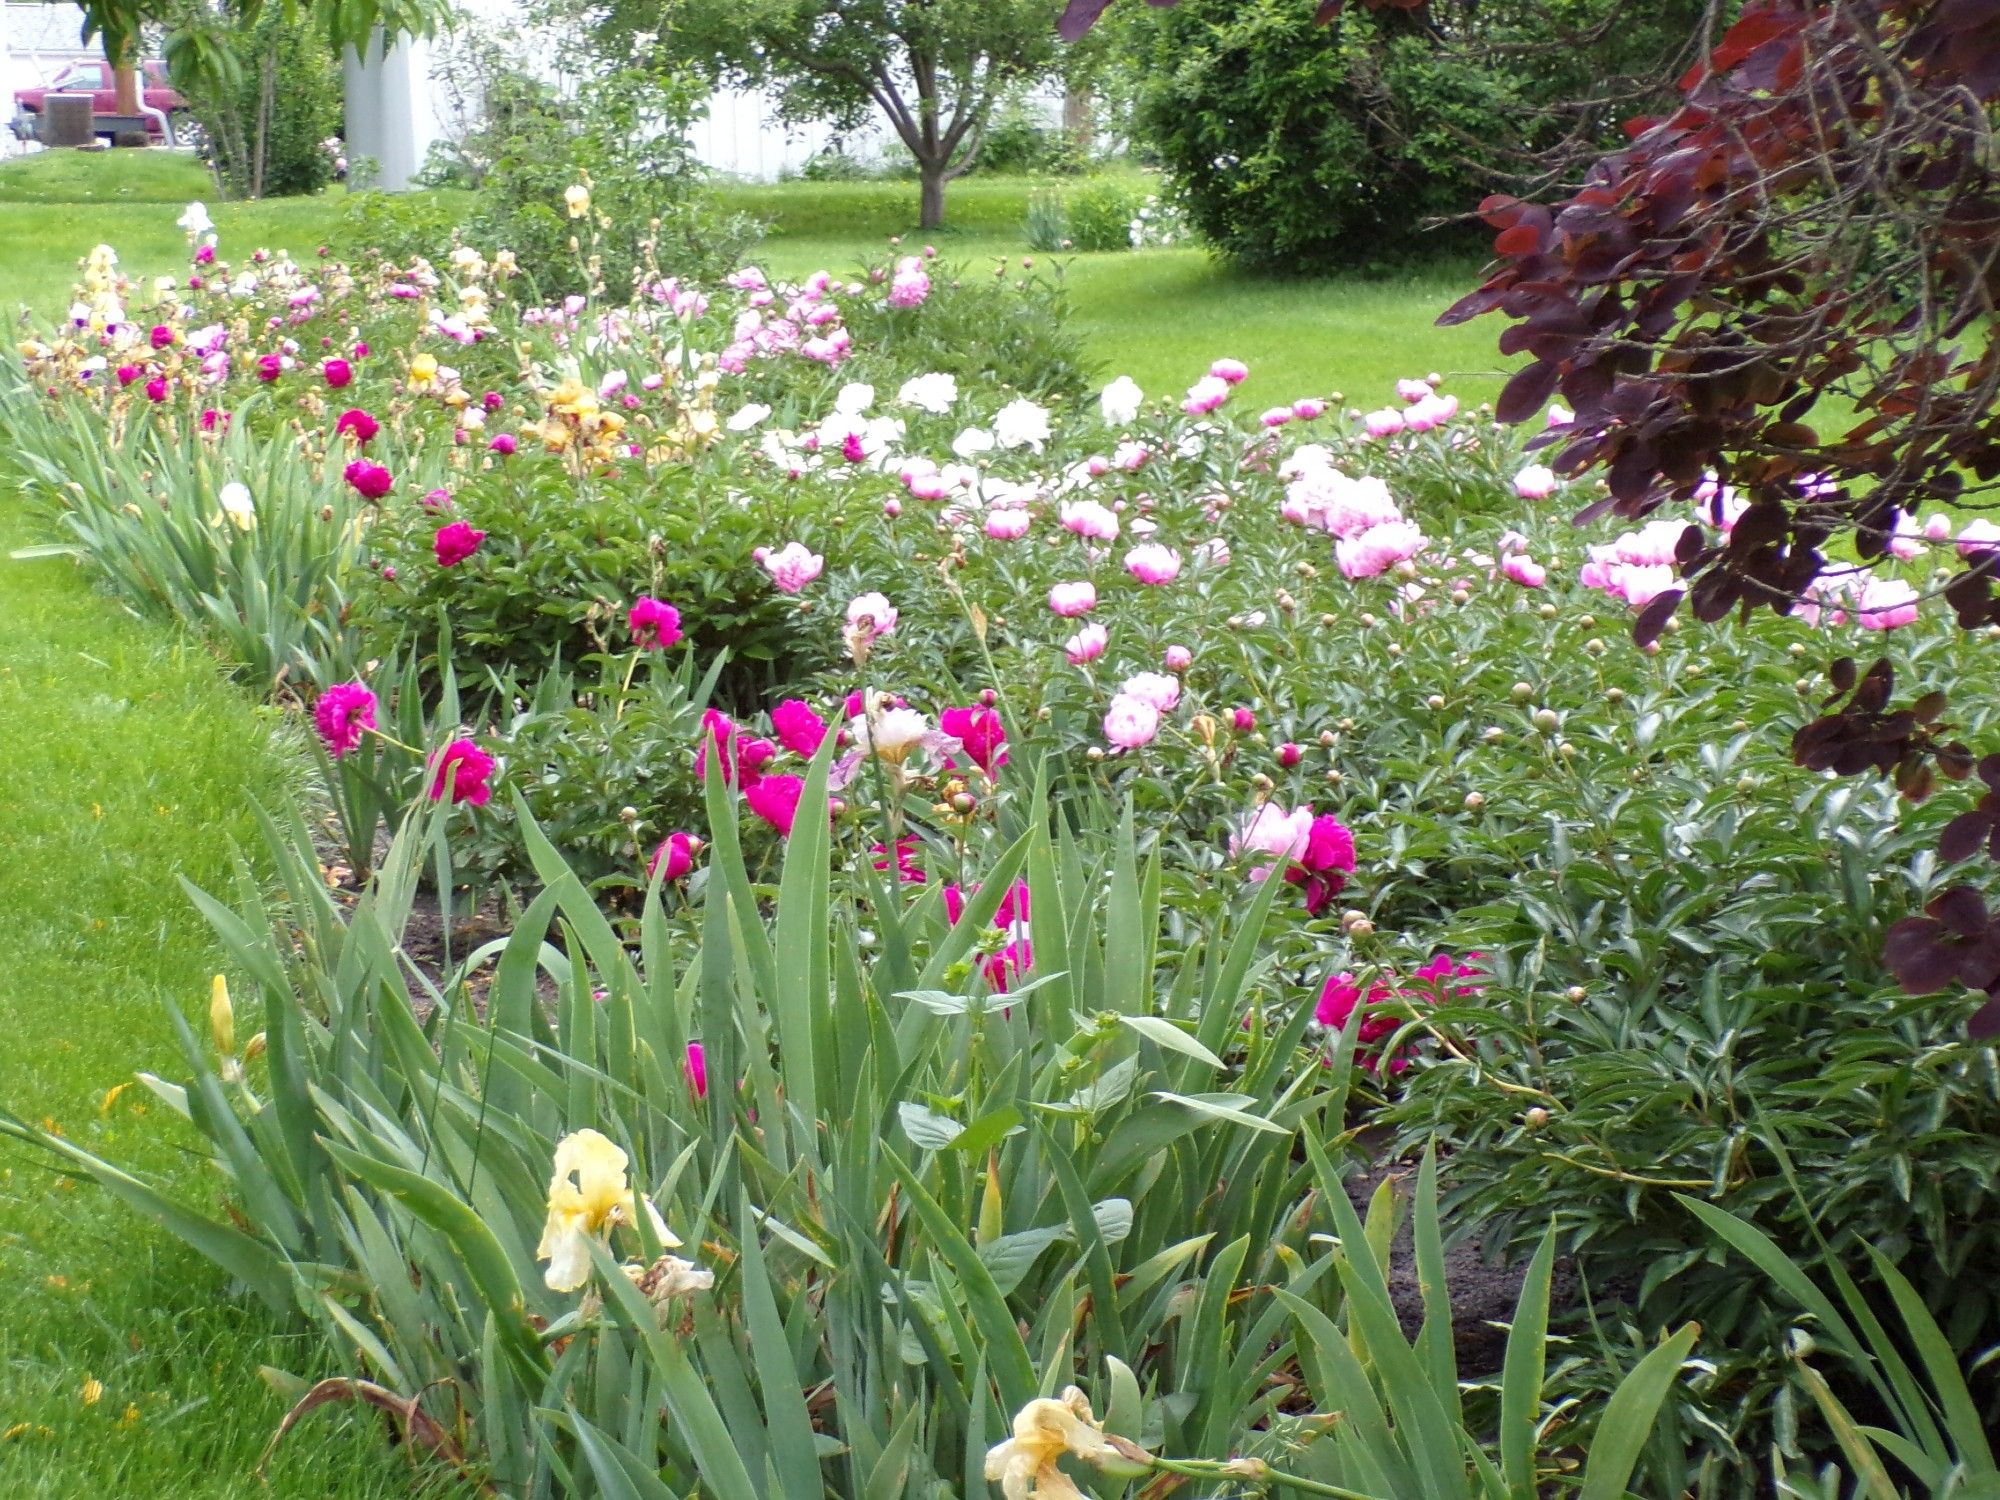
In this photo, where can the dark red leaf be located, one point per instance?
(1526, 392)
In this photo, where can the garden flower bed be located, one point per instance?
(980, 853)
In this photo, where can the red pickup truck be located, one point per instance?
(93, 77)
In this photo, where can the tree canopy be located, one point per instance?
(934, 69)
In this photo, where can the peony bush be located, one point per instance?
(980, 858)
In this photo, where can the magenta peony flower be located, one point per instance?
(371, 481)
(503, 443)
(162, 337)
(344, 713)
(1323, 866)
(696, 1069)
(467, 771)
(1131, 722)
(981, 734)
(357, 424)
(338, 373)
(1151, 563)
(1006, 966)
(798, 728)
(741, 757)
(156, 390)
(1087, 644)
(455, 543)
(775, 799)
(1308, 408)
(127, 374)
(1072, 599)
(655, 625)
(270, 367)
(674, 858)
(907, 872)
(1243, 720)
(1289, 755)
(205, 256)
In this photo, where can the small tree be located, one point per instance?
(934, 69)
(1814, 231)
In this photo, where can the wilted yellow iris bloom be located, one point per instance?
(1044, 1430)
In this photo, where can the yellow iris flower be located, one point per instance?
(588, 1197)
(1044, 1430)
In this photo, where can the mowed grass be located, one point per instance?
(1159, 316)
(129, 765)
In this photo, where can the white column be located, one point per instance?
(391, 117)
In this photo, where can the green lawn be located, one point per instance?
(1159, 316)
(129, 764)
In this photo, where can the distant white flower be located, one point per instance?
(854, 397)
(972, 441)
(748, 417)
(1120, 401)
(935, 393)
(1021, 424)
(195, 220)
(234, 498)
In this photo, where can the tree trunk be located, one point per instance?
(125, 82)
(930, 213)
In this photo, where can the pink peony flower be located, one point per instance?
(1131, 722)
(338, 373)
(357, 424)
(1308, 408)
(871, 616)
(1279, 836)
(674, 858)
(1385, 422)
(1087, 644)
(1151, 563)
(1086, 518)
(1937, 527)
(1276, 416)
(1559, 416)
(1007, 525)
(980, 733)
(1432, 411)
(1413, 391)
(1205, 395)
(1178, 658)
(1377, 549)
(1072, 599)
(1979, 538)
(792, 567)
(1518, 568)
(464, 769)
(1156, 688)
(370, 481)
(775, 799)
(1230, 371)
(1535, 482)
(343, 714)
(1884, 604)
(655, 625)
(454, 543)
(798, 728)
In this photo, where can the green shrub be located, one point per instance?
(1018, 140)
(1047, 226)
(1101, 214)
